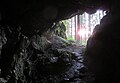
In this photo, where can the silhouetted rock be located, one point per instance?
(102, 51)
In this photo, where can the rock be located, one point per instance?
(39, 43)
(3, 38)
(101, 55)
(37, 59)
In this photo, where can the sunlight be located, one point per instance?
(83, 33)
(83, 25)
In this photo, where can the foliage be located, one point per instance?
(70, 38)
(61, 30)
(84, 21)
(66, 23)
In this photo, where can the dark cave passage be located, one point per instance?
(42, 59)
(34, 47)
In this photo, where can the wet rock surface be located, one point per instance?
(39, 60)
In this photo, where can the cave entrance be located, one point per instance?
(79, 28)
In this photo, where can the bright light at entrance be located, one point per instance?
(83, 33)
(83, 25)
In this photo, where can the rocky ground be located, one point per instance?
(39, 60)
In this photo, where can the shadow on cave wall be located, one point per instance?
(28, 55)
(46, 58)
(102, 50)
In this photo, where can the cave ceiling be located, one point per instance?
(40, 12)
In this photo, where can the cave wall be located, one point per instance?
(25, 18)
(102, 51)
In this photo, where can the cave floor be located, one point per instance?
(60, 62)
(78, 72)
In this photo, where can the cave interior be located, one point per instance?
(31, 52)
